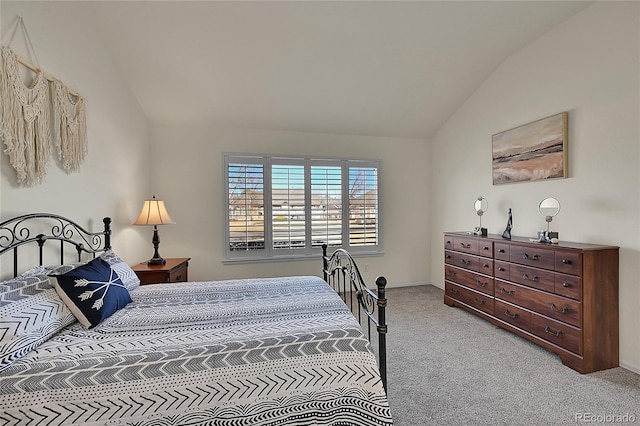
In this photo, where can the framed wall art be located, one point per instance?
(533, 151)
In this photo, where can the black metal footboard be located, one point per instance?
(342, 274)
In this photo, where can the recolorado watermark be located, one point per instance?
(605, 418)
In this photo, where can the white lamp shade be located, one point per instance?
(154, 212)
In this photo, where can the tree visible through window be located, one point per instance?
(246, 206)
(287, 206)
(363, 206)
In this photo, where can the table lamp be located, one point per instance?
(154, 213)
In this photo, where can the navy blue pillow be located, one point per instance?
(93, 292)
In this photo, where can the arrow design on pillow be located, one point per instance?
(86, 295)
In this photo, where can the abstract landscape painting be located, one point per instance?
(530, 152)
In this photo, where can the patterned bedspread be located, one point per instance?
(244, 352)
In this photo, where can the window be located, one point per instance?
(290, 206)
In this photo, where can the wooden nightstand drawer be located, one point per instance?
(175, 270)
(179, 275)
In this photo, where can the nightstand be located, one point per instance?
(174, 271)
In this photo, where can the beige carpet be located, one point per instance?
(448, 367)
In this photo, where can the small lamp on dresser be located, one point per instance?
(154, 213)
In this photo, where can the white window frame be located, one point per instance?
(280, 254)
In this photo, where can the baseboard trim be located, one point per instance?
(408, 284)
(629, 367)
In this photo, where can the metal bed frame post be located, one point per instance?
(381, 283)
(337, 274)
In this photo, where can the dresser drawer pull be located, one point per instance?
(452, 273)
(505, 291)
(553, 333)
(448, 256)
(535, 278)
(481, 284)
(501, 269)
(509, 314)
(454, 291)
(448, 242)
(478, 301)
(534, 257)
(179, 278)
(485, 248)
(500, 250)
(467, 246)
(562, 311)
(566, 261)
(485, 265)
(465, 262)
(565, 285)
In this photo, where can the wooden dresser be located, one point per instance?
(563, 296)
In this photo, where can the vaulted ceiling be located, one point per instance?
(382, 68)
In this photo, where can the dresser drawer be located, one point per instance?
(485, 248)
(560, 308)
(501, 269)
(502, 251)
(532, 277)
(537, 257)
(448, 257)
(470, 279)
(470, 297)
(448, 242)
(466, 244)
(568, 262)
(474, 263)
(512, 314)
(485, 266)
(557, 332)
(466, 261)
(568, 286)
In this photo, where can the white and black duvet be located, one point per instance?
(251, 352)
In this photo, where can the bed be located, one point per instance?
(267, 351)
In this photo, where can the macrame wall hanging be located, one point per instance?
(69, 126)
(36, 116)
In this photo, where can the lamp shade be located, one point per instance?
(153, 212)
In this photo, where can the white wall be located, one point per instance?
(190, 180)
(587, 66)
(114, 179)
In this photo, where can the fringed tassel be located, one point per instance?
(26, 121)
(69, 127)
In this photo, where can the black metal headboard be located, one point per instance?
(38, 228)
(343, 275)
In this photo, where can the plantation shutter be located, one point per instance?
(246, 206)
(288, 206)
(326, 205)
(363, 206)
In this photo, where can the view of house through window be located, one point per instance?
(287, 206)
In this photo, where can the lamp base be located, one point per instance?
(156, 259)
